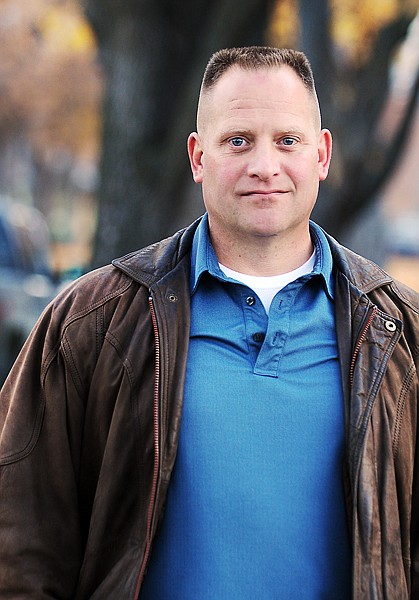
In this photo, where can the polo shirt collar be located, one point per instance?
(324, 261)
(204, 259)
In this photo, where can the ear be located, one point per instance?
(195, 154)
(325, 153)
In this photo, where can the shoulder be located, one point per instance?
(127, 275)
(79, 316)
(121, 286)
(89, 292)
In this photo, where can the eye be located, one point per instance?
(237, 142)
(289, 141)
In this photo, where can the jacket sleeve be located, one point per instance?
(40, 415)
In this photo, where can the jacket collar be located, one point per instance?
(149, 265)
(361, 272)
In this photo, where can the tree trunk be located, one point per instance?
(153, 55)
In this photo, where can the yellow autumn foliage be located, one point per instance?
(353, 23)
(64, 30)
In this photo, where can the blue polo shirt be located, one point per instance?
(256, 505)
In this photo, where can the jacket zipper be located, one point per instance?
(156, 449)
(361, 338)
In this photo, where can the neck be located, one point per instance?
(263, 257)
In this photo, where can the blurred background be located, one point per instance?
(97, 98)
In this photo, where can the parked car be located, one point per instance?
(26, 281)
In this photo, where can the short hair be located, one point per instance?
(257, 57)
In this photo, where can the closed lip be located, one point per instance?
(262, 192)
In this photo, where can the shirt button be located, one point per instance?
(250, 300)
(258, 337)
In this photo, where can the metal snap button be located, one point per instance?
(172, 297)
(250, 300)
(390, 326)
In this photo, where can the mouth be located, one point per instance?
(264, 193)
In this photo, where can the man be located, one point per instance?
(249, 375)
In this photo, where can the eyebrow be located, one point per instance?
(228, 132)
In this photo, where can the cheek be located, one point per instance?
(305, 172)
(220, 174)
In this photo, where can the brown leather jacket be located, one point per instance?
(90, 416)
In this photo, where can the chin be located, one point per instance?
(265, 232)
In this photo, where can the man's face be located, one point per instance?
(259, 154)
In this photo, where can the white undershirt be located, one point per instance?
(267, 287)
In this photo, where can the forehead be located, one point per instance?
(244, 93)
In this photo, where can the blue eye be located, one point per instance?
(237, 142)
(288, 141)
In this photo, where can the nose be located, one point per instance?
(264, 162)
